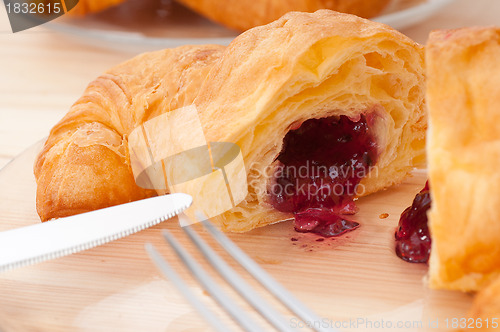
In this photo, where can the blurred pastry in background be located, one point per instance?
(245, 14)
(92, 6)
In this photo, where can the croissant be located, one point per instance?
(92, 6)
(85, 164)
(245, 14)
(463, 95)
(323, 88)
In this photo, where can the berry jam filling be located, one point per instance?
(318, 172)
(413, 242)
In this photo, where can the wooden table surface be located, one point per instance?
(43, 72)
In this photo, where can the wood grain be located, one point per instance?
(115, 287)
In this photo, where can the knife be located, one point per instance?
(60, 237)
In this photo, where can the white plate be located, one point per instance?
(405, 13)
(144, 25)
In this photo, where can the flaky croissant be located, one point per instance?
(245, 14)
(306, 70)
(463, 152)
(84, 164)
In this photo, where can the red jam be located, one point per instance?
(320, 167)
(413, 241)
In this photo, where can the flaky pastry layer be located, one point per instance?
(463, 95)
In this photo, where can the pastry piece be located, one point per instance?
(485, 312)
(331, 94)
(344, 92)
(463, 95)
(245, 14)
(84, 164)
(85, 7)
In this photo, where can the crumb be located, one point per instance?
(294, 239)
(383, 215)
(310, 250)
(294, 244)
(320, 239)
(205, 293)
(304, 245)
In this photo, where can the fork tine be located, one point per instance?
(235, 311)
(238, 283)
(170, 273)
(263, 277)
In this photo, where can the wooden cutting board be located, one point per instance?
(355, 282)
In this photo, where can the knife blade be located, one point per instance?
(60, 237)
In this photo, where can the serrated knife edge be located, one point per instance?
(8, 238)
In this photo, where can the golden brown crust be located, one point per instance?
(61, 184)
(300, 67)
(245, 14)
(84, 164)
(85, 7)
(463, 95)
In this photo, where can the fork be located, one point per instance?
(238, 314)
